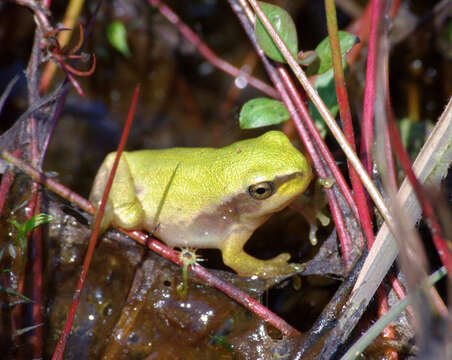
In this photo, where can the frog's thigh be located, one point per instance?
(127, 210)
(246, 265)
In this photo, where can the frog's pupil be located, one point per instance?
(261, 191)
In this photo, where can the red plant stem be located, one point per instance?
(51, 184)
(36, 254)
(437, 234)
(238, 295)
(59, 351)
(37, 337)
(233, 93)
(360, 28)
(344, 237)
(314, 133)
(38, 12)
(158, 247)
(7, 181)
(281, 82)
(367, 127)
(388, 332)
(392, 182)
(205, 51)
(360, 196)
(346, 118)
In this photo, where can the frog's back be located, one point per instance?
(174, 181)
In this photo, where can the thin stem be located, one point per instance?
(367, 127)
(439, 239)
(344, 237)
(205, 51)
(37, 337)
(346, 118)
(299, 114)
(59, 350)
(318, 103)
(70, 18)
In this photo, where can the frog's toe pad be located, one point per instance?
(279, 266)
(297, 267)
(281, 258)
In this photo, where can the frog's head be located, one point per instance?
(272, 173)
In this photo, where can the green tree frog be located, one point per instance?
(206, 197)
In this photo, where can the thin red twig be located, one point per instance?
(295, 107)
(315, 134)
(7, 181)
(205, 51)
(336, 212)
(367, 125)
(238, 295)
(360, 28)
(345, 114)
(62, 57)
(59, 350)
(439, 239)
(346, 118)
(37, 337)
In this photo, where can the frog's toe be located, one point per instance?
(281, 258)
(279, 266)
(297, 267)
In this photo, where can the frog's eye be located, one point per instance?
(261, 190)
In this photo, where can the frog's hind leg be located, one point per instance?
(244, 264)
(123, 207)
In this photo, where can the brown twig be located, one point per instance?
(62, 57)
(70, 17)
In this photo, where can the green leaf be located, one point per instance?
(15, 293)
(220, 340)
(261, 112)
(36, 221)
(117, 36)
(324, 84)
(29, 225)
(324, 61)
(284, 26)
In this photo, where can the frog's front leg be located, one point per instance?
(123, 207)
(236, 258)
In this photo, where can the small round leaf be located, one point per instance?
(323, 50)
(261, 112)
(117, 36)
(284, 26)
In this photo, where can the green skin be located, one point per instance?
(201, 197)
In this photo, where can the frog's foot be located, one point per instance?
(246, 265)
